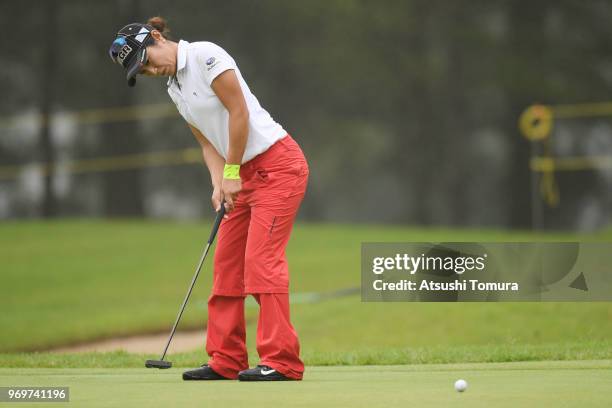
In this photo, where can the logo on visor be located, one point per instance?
(210, 61)
(125, 51)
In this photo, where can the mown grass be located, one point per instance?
(437, 354)
(70, 281)
(526, 384)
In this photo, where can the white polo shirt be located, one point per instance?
(197, 65)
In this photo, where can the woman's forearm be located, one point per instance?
(214, 161)
(215, 164)
(238, 134)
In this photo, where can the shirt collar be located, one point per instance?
(181, 55)
(181, 58)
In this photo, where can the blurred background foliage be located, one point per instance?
(406, 110)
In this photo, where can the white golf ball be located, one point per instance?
(460, 385)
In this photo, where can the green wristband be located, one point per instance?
(231, 172)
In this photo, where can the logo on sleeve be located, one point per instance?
(211, 63)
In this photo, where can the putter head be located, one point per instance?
(161, 364)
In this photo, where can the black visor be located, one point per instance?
(129, 49)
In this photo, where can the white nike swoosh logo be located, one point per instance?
(266, 372)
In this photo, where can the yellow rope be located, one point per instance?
(576, 163)
(582, 110)
(549, 190)
(114, 163)
(536, 123)
(105, 115)
(547, 165)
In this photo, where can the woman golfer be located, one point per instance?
(260, 172)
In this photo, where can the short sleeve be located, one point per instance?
(214, 61)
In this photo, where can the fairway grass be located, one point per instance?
(528, 384)
(66, 282)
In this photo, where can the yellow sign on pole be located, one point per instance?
(536, 122)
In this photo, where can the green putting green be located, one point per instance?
(527, 384)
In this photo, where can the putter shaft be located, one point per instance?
(211, 239)
(180, 313)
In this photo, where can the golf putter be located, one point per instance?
(161, 363)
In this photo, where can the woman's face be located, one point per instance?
(161, 57)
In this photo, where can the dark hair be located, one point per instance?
(160, 24)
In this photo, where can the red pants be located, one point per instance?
(250, 259)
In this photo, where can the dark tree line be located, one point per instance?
(407, 110)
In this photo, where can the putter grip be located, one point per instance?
(218, 220)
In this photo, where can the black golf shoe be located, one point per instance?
(262, 373)
(203, 373)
